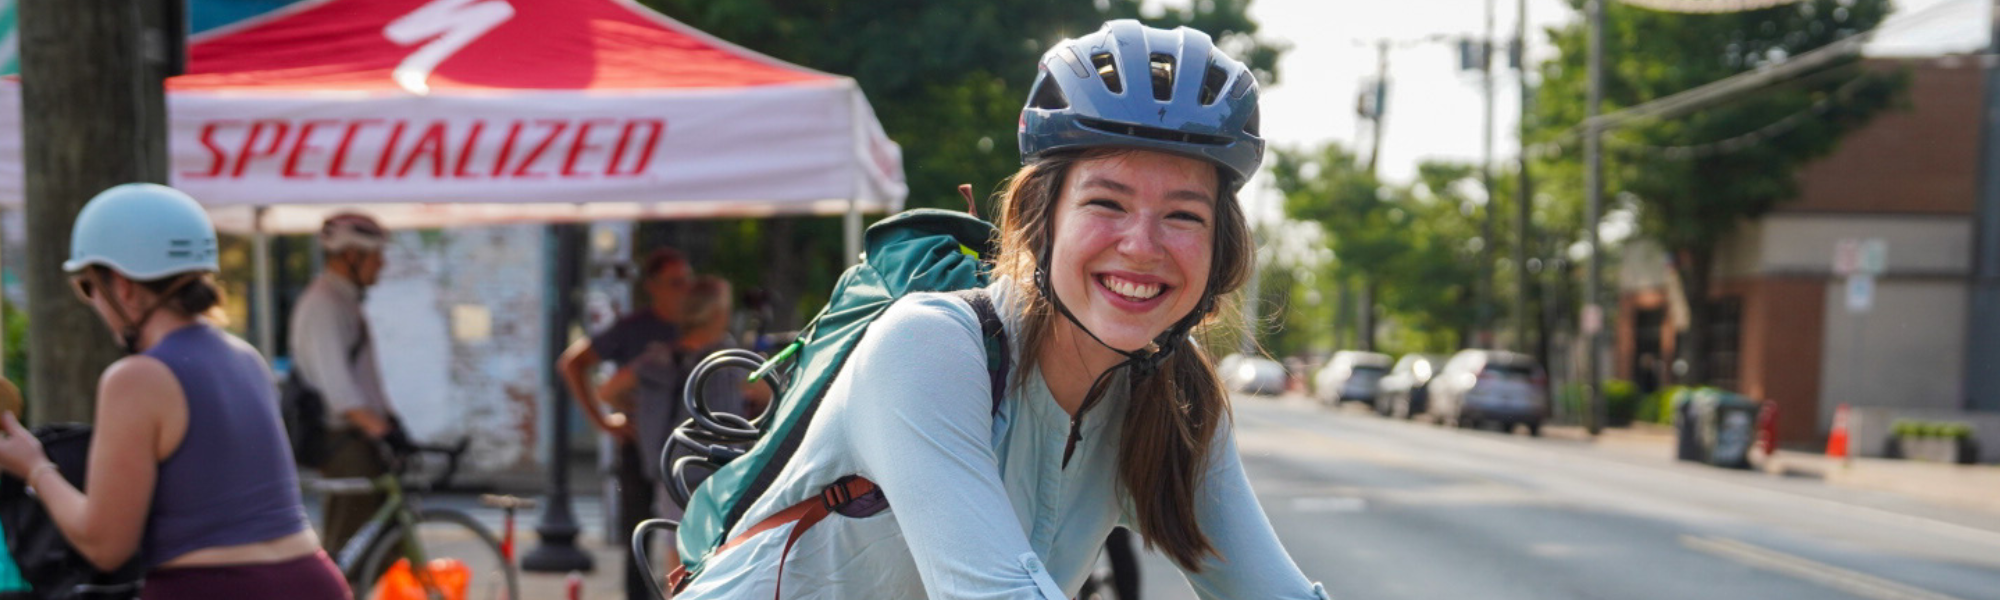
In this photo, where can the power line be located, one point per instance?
(1707, 6)
(1729, 88)
(1748, 140)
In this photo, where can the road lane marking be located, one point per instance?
(1330, 504)
(1853, 582)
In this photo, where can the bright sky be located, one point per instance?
(1434, 110)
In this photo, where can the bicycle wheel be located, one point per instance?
(445, 534)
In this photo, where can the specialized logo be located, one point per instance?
(450, 25)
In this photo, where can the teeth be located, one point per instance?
(1142, 291)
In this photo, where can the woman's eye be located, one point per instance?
(1104, 204)
(1189, 217)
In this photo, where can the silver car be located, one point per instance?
(1406, 389)
(1252, 374)
(1479, 387)
(1351, 375)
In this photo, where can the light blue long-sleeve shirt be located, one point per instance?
(980, 504)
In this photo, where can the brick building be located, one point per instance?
(1782, 327)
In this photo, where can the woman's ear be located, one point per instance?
(124, 291)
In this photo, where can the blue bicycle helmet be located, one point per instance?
(144, 230)
(1141, 87)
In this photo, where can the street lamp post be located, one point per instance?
(557, 552)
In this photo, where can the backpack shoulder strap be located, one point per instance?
(999, 359)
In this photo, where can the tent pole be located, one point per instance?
(852, 228)
(266, 308)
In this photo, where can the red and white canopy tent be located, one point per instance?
(454, 112)
(428, 113)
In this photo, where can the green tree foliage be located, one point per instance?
(947, 78)
(1415, 246)
(1692, 188)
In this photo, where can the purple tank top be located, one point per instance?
(231, 481)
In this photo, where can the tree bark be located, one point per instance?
(94, 116)
(1694, 265)
(784, 273)
(1367, 306)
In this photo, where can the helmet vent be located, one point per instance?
(1211, 84)
(1162, 67)
(1242, 86)
(1047, 95)
(1154, 133)
(1107, 69)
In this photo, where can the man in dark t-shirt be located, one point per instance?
(633, 344)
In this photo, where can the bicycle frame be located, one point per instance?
(397, 510)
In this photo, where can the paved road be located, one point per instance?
(1381, 509)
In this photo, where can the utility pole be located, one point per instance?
(1378, 113)
(1377, 109)
(1593, 184)
(94, 116)
(1521, 192)
(1982, 360)
(1487, 288)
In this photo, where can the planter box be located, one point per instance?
(1955, 451)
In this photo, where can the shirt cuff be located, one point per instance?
(1041, 576)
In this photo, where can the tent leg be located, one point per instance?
(853, 230)
(266, 308)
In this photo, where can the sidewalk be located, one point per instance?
(1961, 486)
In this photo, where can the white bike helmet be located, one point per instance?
(144, 231)
(352, 231)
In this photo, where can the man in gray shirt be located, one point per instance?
(335, 356)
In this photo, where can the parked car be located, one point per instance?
(1351, 375)
(1479, 387)
(1252, 374)
(1405, 390)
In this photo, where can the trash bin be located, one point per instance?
(1733, 420)
(1688, 413)
(1716, 427)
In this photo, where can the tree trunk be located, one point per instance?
(94, 116)
(1694, 265)
(784, 271)
(1367, 306)
(1339, 314)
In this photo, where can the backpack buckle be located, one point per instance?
(853, 496)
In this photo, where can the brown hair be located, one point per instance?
(199, 296)
(1170, 425)
(659, 259)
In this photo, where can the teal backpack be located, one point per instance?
(921, 250)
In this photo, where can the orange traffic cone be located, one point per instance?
(1836, 441)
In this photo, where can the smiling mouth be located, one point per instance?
(1131, 290)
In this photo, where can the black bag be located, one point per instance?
(56, 570)
(304, 412)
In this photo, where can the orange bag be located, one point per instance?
(400, 583)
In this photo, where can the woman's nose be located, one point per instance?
(1140, 239)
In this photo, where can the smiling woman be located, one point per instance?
(1118, 238)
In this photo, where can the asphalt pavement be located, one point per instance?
(1382, 509)
(1379, 509)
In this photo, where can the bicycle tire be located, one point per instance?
(445, 533)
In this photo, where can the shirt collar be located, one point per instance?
(341, 285)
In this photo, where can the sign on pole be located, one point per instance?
(1860, 292)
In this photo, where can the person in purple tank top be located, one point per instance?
(189, 471)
